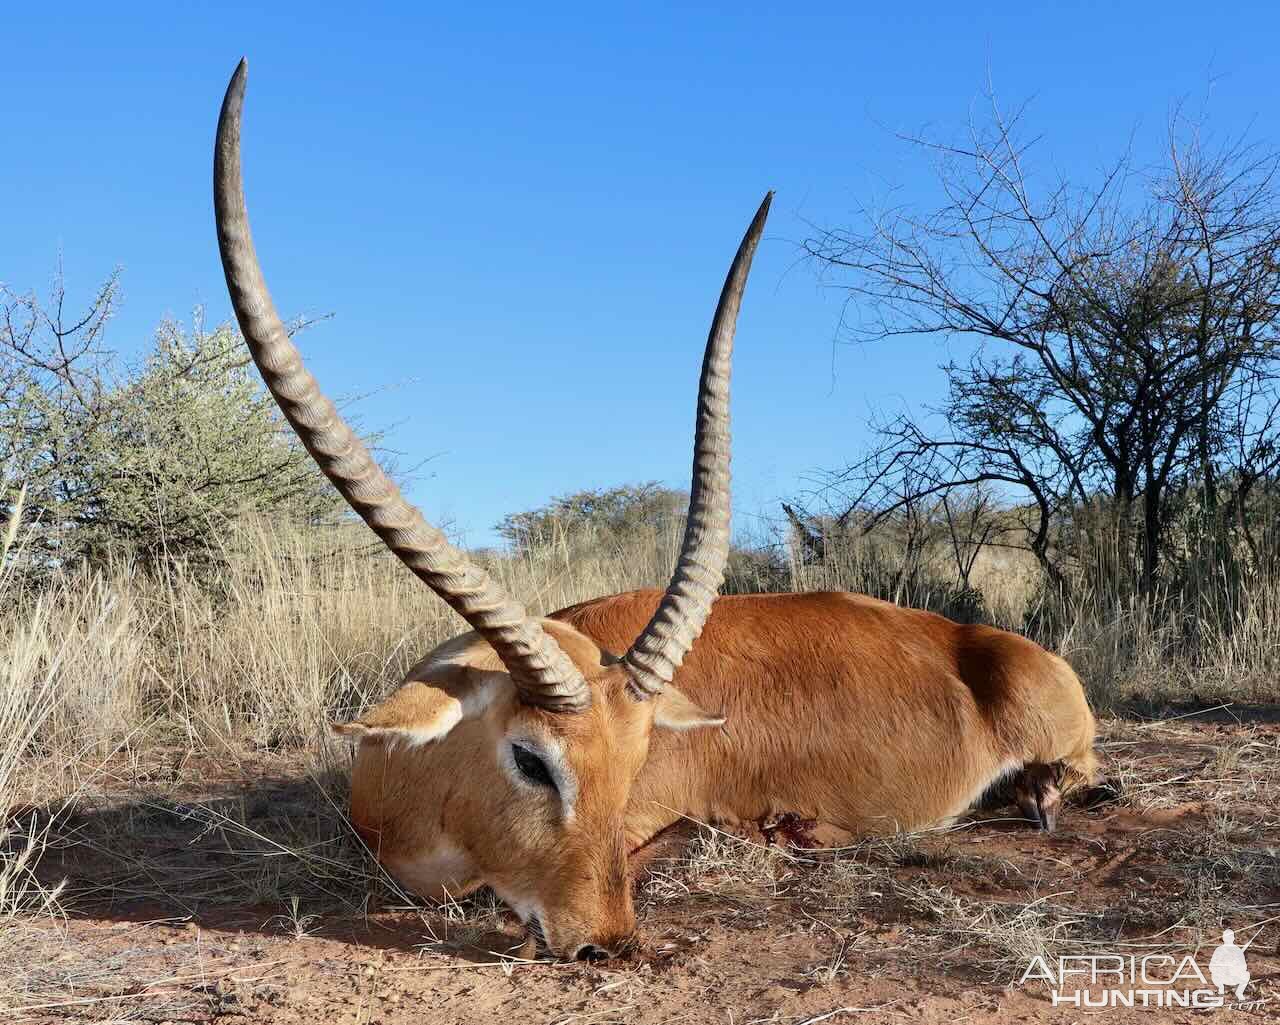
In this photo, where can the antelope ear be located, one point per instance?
(675, 711)
(417, 713)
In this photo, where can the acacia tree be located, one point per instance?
(1123, 334)
(147, 461)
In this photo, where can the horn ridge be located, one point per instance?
(681, 614)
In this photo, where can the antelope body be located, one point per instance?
(863, 716)
(534, 755)
(860, 714)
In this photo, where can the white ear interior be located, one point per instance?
(410, 733)
(675, 711)
(417, 713)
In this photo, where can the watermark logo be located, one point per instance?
(1096, 981)
(1228, 968)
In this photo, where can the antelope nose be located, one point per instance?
(592, 952)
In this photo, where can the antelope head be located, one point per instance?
(508, 755)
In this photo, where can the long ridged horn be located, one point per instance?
(542, 673)
(658, 652)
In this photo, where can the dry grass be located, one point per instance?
(289, 628)
(905, 880)
(191, 707)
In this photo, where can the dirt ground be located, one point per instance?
(225, 891)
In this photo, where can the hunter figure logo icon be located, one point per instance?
(1227, 967)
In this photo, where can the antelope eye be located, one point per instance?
(531, 766)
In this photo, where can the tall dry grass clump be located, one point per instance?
(1210, 632)
(1002, 583)
(1193, 641)
(302, 625)
(42, 638)
(283, 628)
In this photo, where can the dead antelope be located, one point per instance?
(528, 756)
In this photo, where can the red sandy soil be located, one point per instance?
(930, 929)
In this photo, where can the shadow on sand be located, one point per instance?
(272, 856)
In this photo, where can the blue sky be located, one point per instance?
(521, 216)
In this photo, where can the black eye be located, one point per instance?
(531, 766)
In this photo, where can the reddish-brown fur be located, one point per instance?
(853, 711)
(839, 708)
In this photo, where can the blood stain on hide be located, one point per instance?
(790, 830)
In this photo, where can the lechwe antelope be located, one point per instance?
(529, 756)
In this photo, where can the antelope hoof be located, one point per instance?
(1038, 797)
